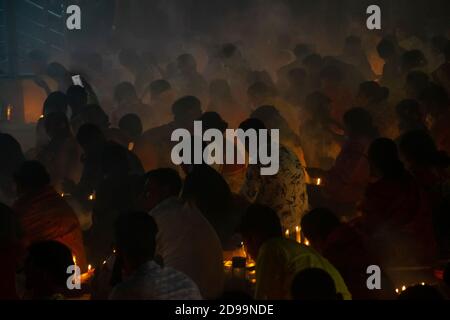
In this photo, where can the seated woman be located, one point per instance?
(344, 183)
(44, 214)
(396, 212)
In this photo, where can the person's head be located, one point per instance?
(114, 159)
(158, 88)
(219, 90)
(317, 225)
(260, 93)
(135, 239)
(358, 123)
(9, 226)
(297, 78)
(186, 110)
(301, 50)
(330, 76)
(352, 45)
(57, 125)
(208, 190)
(371, 93)
(384, 160)
(253, 124)
(160, 184)
(132, 125)
(416, 82)
(77, 98)
(435, 100)
(421, 293)
(125, 92)
(386, 49)
(55, 102)
(314, 284)
(31, 176)
(186, 63)
(228, 51)
(259, 224)
(409, 115)
(90, 138)
(213, 120)
(46, 268)
(417, 148)
(412, 59)
(317, 106)
(313, 63)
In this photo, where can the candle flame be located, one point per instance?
(9, 112)
(403, 288)
(287, 233)
(89, 268)
(92, 197)
(319, 181)
(74, 258)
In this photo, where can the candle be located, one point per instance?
(306, 242)
(319, 181)
(89, 268)
(297, 234)
(74, 258)
(403, 288)
(9, 110)
(92, 197)
(287, 233)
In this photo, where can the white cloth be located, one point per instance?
(151, 282)
(188, 243)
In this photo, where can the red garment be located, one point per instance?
(346, 180)
(45, 215)
(346, 250)
(397, 212)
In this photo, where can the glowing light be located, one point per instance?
(397, 291)
(104, 262)
(306, 242)
(403, 288)
(423, 283)
(41, 117)
(89, 268)
(92, 197)
(74, 258)
(319, 181)
(9, 110)
(131, 146)
(297, 234)
(287, 233)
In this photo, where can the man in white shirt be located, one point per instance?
(144, 279)
(185, 241)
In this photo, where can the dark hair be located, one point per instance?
(131, 124)
(418, 81)
(301, 50)
(52, 257)
(157, 87)
(252, 123)
(319, 223)
(421, 293)
(124, 90)
(77, 96)
(436, 95)
(373, 91)
(57, 125)
(208, 189)
(384, 156)
(33, 175)
(228, 50)
(89, 132)
(419, 146)
(312, 59)
(359, 121)
(166, 178)
(408, 109)
(261, 89)
(55, 102)
(261, 220)
(135, 235)
(185, 104)
(331, 73)
(413, 59)
(313, 284)
(386, 48)
(213, 120)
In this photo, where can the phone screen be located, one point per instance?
(77, 81)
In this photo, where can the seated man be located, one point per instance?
(185, 241)
(278, 259)
(144, 279)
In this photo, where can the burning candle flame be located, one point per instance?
(319, 181)
(287, 233)
(89, 268)
(9, 109)
(74, 258)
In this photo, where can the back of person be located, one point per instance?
(279, 260)
(188, 243)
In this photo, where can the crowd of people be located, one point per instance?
(363, 176)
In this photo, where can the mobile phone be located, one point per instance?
(77, 80)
